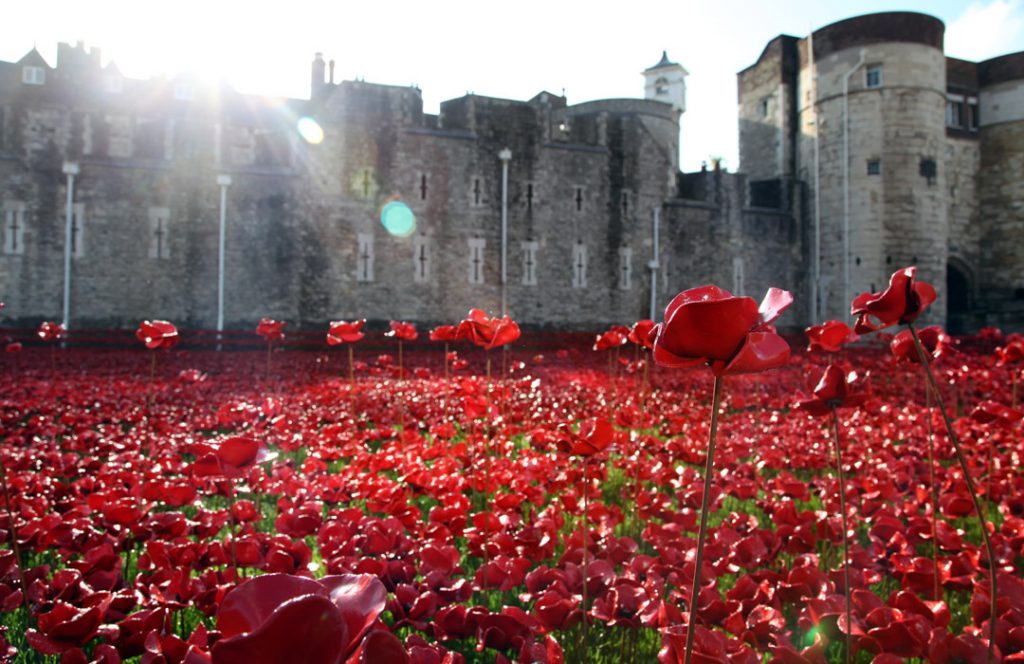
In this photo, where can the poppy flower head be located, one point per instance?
(281, 617)
(51, 331)
(229, 457)
(732, 335)
(616, 336)
(640, 333)
(992, 411)
(593, 437)
(829, 337)
(488, 332)
(157, 334)
(270, 329)
(342, 332)
(902, 302)
(403, 331)
(1011, 353)
(934, 340)
(445, 333)
(838, 388)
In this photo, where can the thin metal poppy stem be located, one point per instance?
(934, 492)
(351, 369)
(923, 356)
(446, 360)
(152, 375)
(586, 495)
(234, 528)
(270, 346)
(846, 529)
(709, 467)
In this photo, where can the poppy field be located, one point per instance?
(466, 500)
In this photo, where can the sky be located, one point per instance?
(591, 50)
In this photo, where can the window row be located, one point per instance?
(159, 248)
(479, 192)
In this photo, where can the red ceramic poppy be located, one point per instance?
(640, 333)
(51, 331)
(901, 303)
(270, 329)
(229, 457)
(830, 336)
(838, 388)
(402, 330)
(593, 437)
(1011, 353)
(992, 411)
(285, 618)
(342, 332)
(488, 332)
(613, 338)
(445, 333)
(934, 340)
(732, 335)
(157, 334)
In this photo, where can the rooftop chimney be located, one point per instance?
(331, 66)
(317, 77)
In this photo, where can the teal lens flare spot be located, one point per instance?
(398, 219)
(310, 130)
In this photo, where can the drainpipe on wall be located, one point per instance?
(653, 265)
(846, 177)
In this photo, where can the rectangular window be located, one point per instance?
(874, 167)
(578, 198)
(78, 230)
(159, 226)
(33, 75)
(579, 265)
(625, 268)
(476, 260)
(529, 263)
(972, 113)
(364, 257)
(476, 192)
(873, 76)
(763, 107)
(954, 111)
(530, 196)
(421, 184)
(14, 228)
(420, 260)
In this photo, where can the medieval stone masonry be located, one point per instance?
(863, 148)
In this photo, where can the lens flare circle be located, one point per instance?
(310, 130)
(398, 219)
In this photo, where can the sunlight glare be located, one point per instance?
(310, 130)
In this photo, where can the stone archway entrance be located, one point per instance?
(958, 299)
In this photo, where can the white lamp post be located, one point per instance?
(654, 265)
(224, 181)
(71, 169)
(505, 156)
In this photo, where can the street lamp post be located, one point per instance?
(224, 181)
(505, 156)
(71, 169)
(653, 265)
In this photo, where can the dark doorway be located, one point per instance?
(958, 302)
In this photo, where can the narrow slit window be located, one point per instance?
(530, 263)
(423, 186)
(578, 199)
(159, 233)
(579, 265)
(14, 229)
(364, 258)
(625, 268)
(476, 260)
(421, 260)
